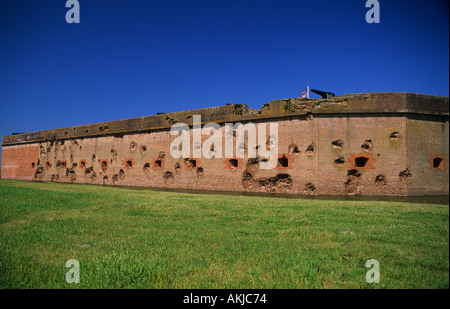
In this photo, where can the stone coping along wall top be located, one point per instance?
(362, 103)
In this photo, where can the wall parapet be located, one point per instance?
(363, 103)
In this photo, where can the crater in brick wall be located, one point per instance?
(367, 146)
(177, 168)
(311, 150)
(168, 177)
(38, 173)
(352, 185)
(394, 136)
(121, 174)
(338, 144)
(405, 176)
(146, 167)
(309, 189)
(88, 170)
(199, 172)
(142, 149)
(133, 146)
(293, 150)
(380, 180)
(278, 183)
(190, 163)
(114, 153)
(115, 179)
(339, 162)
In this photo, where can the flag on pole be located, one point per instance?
(305, 93)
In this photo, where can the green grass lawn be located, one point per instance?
(152, 239)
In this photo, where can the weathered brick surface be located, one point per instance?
(20, 162)
(369, 144)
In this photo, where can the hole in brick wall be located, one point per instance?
(115, 179)
(354, 173)
(283, 162)
(74, 164)
(177, 167)
(353, 180)
(190, 163)
(338, 144)
(279, 183)
(58, 163)
(380, 180)
(118, 136)
(105, 178)
(233, 163)
(133, 146)
(113, 153)
(247, 180)
(405, 176)
(438, 162)
(121, 174)
(48, 164)
(361, 161)
(309, 188)
(161, 155)
(158, 163)
(339, 162)
(93, 176)
(33, 165)
(104, 164)
(128, 164)
(367, 146)
(199, 172)
(143, 149)
(293, 149)
(311, 149)
(83, 164)
(93, 157)
(146, 167)
(52, 177)
(168, 176)
(63, 164)
(88, 170)
(394, 136)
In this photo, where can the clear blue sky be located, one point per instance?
(132, 58)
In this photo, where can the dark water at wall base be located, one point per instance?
(433, 199)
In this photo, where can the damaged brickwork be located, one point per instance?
(356, 144)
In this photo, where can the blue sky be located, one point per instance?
(132, 58)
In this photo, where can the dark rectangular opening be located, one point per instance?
(283, 162)
(438, 162)
(233, 163)
(361, 161)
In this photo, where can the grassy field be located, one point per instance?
(151, 239)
